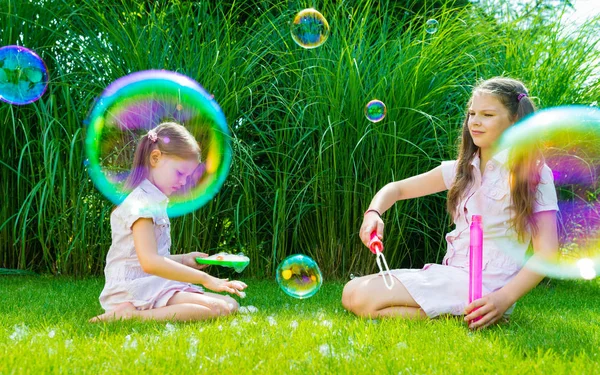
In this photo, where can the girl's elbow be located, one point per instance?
(148, 266)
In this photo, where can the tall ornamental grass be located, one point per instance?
(306, 160)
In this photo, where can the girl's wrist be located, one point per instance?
(374, 211)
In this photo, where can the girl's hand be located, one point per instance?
(490, 308)
(224, 285)
(189, 260)
(371, 222)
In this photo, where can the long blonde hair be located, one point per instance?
(172, 139)
(524, 167)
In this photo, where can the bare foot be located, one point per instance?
(122, 311)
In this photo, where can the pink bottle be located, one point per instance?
(475, 258)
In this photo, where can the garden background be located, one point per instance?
(306, 160)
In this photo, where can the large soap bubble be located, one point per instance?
(309, 28)
(138, 102)
(569, 140)
(299, 276)
(23, 75)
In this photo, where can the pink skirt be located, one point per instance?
(441, 289)
(144, 293)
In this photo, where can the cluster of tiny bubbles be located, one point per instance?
(134, 104)
(309, 28)
(23, 75)
(431, 26)
(299, 276)
(375, 110)
(568, 139)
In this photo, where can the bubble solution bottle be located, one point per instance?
(475, 258)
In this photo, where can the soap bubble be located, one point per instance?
(309, 28)
(375, 110)
(299, 276)
(23, 75)
(569, 140)
(431, 26)
(138, 102)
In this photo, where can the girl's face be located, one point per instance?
(488, 119)
(169, 173)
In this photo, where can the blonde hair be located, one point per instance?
(524, 167)
(171, 139)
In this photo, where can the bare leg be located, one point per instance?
(183, 306)
(368, 296)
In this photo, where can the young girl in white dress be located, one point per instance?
(516, 199)
(143, 280)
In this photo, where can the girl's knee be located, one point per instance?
(352, 298)
(356, 300)
(232, 304)
(225, 306)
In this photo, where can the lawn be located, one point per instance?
(555, 329)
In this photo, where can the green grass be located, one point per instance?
(43, 330)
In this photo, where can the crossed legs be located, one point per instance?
(183, 306)
(368, 296)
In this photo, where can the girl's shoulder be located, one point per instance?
(546, 172)
(448, 172)
(143, 201)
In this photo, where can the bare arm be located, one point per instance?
(493, 306)
(189, 259)
(413, 187)
(155, 264)
(177, 257)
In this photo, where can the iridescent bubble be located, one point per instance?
(569, 141)
(431, 26)
(138, 102)
(309, 28)
(299, 276)
(23, 75)
(375, 110)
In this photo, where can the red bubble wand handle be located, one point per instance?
(376, 247)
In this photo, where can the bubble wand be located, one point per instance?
(475, 259)
(376, 247)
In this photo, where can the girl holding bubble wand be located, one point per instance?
(516, 197)
(143, 280)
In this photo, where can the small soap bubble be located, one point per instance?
(375, 110)
(566, 139)
(23, 75)
(299, 276)
(431, 26)
(309, 28)
(247, 309)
